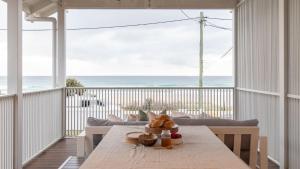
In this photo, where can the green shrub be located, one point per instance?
(71, 82)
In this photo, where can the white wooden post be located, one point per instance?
(283, 82)
(54, 53)
(61, 60)
(235, 69)
(14, 72)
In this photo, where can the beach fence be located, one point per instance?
(194, 102)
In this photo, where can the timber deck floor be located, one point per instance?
(65, 149)
(53, 157)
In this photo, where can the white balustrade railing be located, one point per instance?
(82, 103)
(51, 114)
(6, 131)
(43, 121)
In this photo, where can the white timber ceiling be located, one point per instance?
(44, 8)
(39, 8)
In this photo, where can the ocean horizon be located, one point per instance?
(33, 83)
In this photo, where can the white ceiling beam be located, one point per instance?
(150, 4)
(41, 7)
(26, 9)
(51, 9)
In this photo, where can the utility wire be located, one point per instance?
(223, 19)
(210, 23)
(116, 26)
(214, 26)
(134, 25)
(206, 17)
(187, 16)
(217, 26)
(222, 56)
(226, 53)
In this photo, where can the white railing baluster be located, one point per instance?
(122, 101)
(6, 131)
(42, 114)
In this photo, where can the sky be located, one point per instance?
(155, 50)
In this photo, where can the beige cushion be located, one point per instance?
(179, 115)
(132, 117)
(114, 118)
(201, 116)
(91, 121)
(214, 122)
(151, 116)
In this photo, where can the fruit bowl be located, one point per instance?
(158, 130)
(177, 141)
(148, 139)
(176, 138)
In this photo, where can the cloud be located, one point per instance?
(37, 44)
(157, 44)
(164, 49)
(42, 66)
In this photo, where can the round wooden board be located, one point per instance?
(148, 129)
(133, 137)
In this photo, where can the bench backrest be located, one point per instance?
(240, 139)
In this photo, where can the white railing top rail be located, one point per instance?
(42, 91)
(7, 96)
(49, 90)
(149, 87)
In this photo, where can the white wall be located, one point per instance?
(258, 68)
(258, 72)
(294, 84)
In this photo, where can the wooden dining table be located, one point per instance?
(201, 149)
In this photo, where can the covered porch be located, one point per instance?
(266, 86)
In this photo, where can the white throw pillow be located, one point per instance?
(133, 117)
(151, 116)
(114, 118)
(179, 115)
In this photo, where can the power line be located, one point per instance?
(222, 56)
(206, 17)
(223, 19)
(217, 26)
(210, 24)
(187, 16)
(116, 26)
(226, 53)
(134, 25)
(228, 29)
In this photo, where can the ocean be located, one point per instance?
(33, 83)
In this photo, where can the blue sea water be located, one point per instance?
(31, 83)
